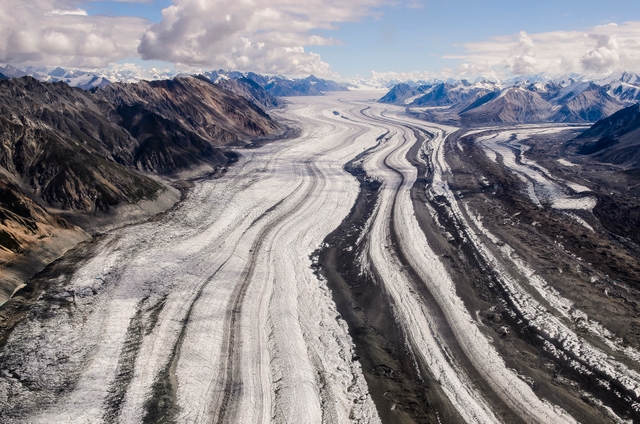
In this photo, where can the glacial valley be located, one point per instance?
(373, 268)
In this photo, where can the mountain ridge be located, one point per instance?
(97, 158)
(562, 100)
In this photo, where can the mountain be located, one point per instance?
(310, 86)
(537, 98)
(179, 123)
(250, 86)
(12, 71)
(80, 150)
(625, 87)
(513, 105)
(459, 93)
(487, 101)
(277, 85)
(74, 77)
(584, 102)
(89, 156)
(403, 93)
(56, 140)
(546, 89)
(274, 85)
(615, 139)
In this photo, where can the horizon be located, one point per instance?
(367, 39)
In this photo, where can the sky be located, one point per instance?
(388, 39)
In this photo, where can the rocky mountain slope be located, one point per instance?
(180, 123)
(30, 237)
(584, 102)
(615, 139)
(250, 90)
(57, 141)
(75, 153)
(457, 95)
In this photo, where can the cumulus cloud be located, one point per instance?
(523, 56)
(272, 36)
(599, 50)
(263, 35)
(604, 57)
(58, 32)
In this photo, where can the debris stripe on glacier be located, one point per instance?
(151, 266)
(542, 185)
(561, 305)
(88, 395)
(344, 374)
(541, 318)
(285, 321)
(321, 215)
(485, 358)
(417, 322)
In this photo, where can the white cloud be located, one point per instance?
(271, 36)
(57, 32)
(262, 35)
(79, 12)
(599, 50)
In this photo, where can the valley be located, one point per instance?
(374, 268)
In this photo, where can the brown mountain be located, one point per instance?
(512, 105)
(89, 156)
(182, 122)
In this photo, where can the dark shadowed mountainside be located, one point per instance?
(182, 122)
(615, 139)
(56, 140)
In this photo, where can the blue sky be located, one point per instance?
(329, 37)
(407, 39)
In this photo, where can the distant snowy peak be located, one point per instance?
(275, 85)
(569, 98)
(87, 79)
(278, 85)
(439, 93)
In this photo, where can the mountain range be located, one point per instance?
(274, 85)
(73, 154)
(485, 101)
